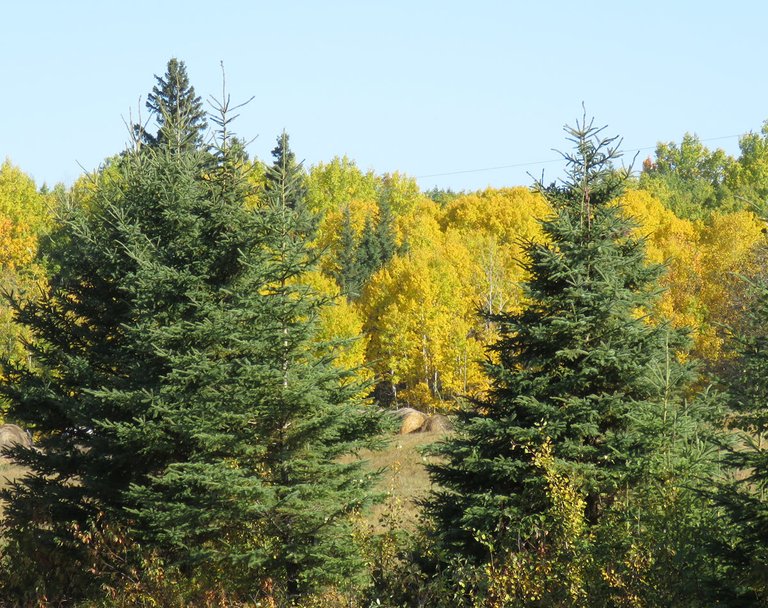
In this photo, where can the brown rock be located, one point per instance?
(437, 424)
(10, 434)
(411, 420)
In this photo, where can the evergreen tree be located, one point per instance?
(311, 418)
(745, 496)
(285, 172)
(369, 253)
(349, 274)
(576, 374)
(442, 196)
(385, 232)
(286, 181)
(179, 113)
(359, 258)
(177, 398)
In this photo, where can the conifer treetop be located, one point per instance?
(176, 108)
(573, 368)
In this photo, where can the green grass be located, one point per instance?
(8, 473)
(404, 480)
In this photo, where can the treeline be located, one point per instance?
(387, 249)
(201, 342)
(458, 252)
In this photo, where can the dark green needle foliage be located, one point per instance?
(359, 258)
(385, 232)
(369, 251)
(581, 368)
(349, 275)
(285, 190)
(745, 497)
(177, 393)
(177, 110)
(286, 180)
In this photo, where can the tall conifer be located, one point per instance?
(385, 232)
(369, 253)
(177, 110)
(581, 372)
(349, 273)
(176, 390)
(745, 496)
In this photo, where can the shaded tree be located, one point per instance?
(179, 398)
(583, 382)
(177, 110)
(745, 494)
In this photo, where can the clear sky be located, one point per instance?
(441, 90)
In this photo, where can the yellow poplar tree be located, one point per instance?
(703, 259)
(674, 242)
(494, 224)
(420, 318)
(332, 185)
(340, 326)
(331, 226)
(401, 192)
(729, 243)
(25, 213)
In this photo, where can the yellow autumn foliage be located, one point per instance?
(18, 244)
(420, 322)
(25, 214)
(551, 566)
(328, 238)
(421, 311)
(494, 225)
(512, 214)
(730, 243)
(332, 185)
(674, 242)
(340, 326)
(400, 192)
(703, 260)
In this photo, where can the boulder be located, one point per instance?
(437, 423)
(10, 435)
(411, 420)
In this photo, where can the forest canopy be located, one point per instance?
(202, 345)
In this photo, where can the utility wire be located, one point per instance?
(554, 160)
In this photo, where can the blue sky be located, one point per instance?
(439, 90)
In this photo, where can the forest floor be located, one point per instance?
(8, 473)
(404, 479)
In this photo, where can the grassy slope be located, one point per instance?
(404, 479)
(8, 472)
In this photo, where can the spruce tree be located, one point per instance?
(359, 258)
(286, 181)
(745, 495)
(578, 373)
(369, 253)
(311, 418)
(385, 232)
(177, 398)
(349, 273)
(178, 111)
(286, 173)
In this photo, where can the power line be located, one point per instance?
(529, 164)
(555, 160)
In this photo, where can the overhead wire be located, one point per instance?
(553, 160)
